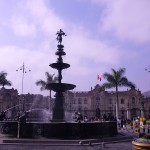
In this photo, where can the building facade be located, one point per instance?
(98, 102)
(9, 101)
(95, 102)
(146, 107)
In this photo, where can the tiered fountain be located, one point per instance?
(59, 88)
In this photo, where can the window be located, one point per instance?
(79, 109)
(122, 101)
(73, 109)
(97, 100)
(133, 100)
(122, 112)
(110, 101)
(85, 111)
(85, 108)
(85, 101)
(73, 101)
(79, 100)
(109, 108)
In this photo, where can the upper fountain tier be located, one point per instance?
(60, 65)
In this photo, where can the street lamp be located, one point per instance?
(147, 69)
(24, 70)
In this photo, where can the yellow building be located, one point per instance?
(99, 102)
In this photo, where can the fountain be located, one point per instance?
(58, 126)
(59, 88)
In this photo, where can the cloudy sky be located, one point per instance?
(101, 34)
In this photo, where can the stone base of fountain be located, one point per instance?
(61, 130)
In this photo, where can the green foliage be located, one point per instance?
(49, 79)
(116, 79)
(3, 80)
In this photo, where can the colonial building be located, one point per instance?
(34, 101)
(95, 102)
(146, 106)
(9, 101)
(98, 102)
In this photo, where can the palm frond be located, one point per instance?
(3, 80)
(42, 84)
(49, 79)
(107, 85)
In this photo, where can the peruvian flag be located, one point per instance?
(99, 77)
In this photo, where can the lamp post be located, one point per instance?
(24, 70)
(147, 69)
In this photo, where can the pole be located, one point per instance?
(24, 70)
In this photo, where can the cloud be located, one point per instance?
(22, 28)
(12, 58)
(37, 19)
(129, 20)
(85, 53)
(32, 16)
(44, 16)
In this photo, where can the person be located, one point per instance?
(104, 117)
(119, 123)
(85, 119)
(148, 128)
(131, 125)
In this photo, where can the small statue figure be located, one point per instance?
(59, 36)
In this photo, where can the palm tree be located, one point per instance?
(3, 80)
(115, 80)
(49, 79)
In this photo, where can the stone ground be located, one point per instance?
(116, 145)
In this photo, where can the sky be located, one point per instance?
(101, 34)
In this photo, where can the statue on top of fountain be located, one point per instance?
(60, 33)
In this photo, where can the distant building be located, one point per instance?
(34, 101)
(95, 102)
(145, 102)
(9, 101)
(98, 102)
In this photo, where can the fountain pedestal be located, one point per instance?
(59, 88)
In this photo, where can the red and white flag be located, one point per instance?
(99, 77)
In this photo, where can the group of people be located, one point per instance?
(122, 123)
(109, 117)
(78, 117)
(139, 125)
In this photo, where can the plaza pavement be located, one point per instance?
(121, 142)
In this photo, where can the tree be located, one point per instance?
(49, 79)
(3, 80)
(115, 80)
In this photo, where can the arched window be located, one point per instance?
(73, 101)
(80, 109)
(79, 100)
(73, 109)
(122, 101)
(110, 101)
(85, 110)
(97, 100)
(85, 101)
(133, 100)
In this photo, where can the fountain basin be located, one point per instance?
(62, 130)
(60, 87)
(60, 66)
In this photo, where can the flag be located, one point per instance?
(99, 77)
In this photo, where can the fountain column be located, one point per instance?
(59, 88)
